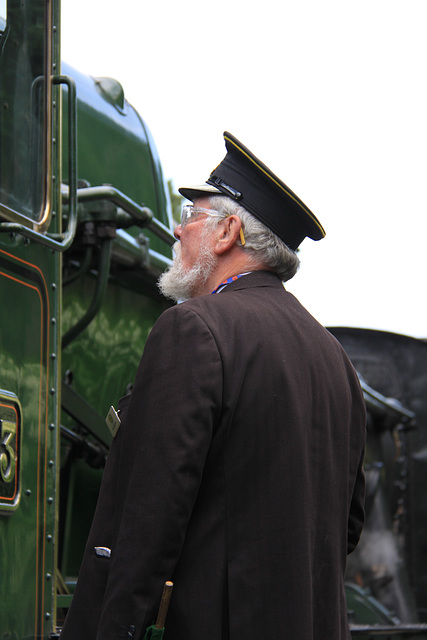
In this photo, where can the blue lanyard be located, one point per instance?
(232, 279)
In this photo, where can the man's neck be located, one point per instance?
(228, 269)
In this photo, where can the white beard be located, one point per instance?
(179, 283)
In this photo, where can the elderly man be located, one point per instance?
(237, 469)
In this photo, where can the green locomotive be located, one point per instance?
(85, 230)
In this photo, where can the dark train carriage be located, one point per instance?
(391, 560)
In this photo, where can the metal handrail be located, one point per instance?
(143, 216)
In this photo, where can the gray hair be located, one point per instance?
(261, 244)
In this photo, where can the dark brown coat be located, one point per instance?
(236, 473)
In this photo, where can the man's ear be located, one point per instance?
(228, 234)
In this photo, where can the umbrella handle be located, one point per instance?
(164, 605)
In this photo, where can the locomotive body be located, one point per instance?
(85, 231)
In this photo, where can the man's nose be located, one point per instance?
(177, 232)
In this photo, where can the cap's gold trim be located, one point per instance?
(279, 184)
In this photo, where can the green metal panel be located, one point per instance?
(99, 364)
(28, 370)
(30, 291)
(104, 359)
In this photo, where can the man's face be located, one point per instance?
(192, 236)
(195, 259)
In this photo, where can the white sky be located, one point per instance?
(331, 95)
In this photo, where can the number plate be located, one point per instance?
(10, 445)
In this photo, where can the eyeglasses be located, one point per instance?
(191, 214)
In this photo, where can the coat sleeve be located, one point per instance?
(175, 404)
